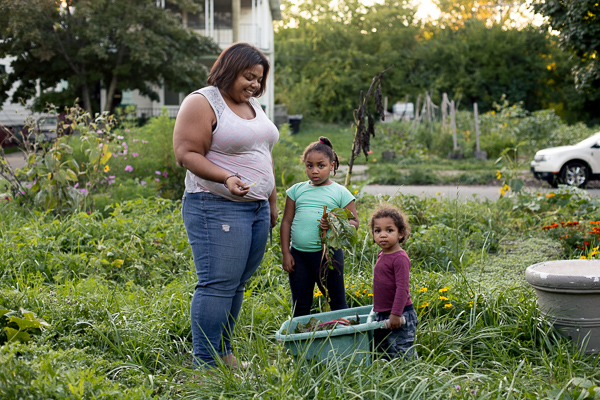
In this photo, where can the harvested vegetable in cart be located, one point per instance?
(314, 324)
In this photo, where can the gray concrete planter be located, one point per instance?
(568, 292)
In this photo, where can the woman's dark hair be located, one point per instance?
(400, 220)
(236, 59)
(324, 146)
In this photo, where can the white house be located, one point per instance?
(227, 22)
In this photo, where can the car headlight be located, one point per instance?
(540, 158)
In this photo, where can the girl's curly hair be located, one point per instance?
(400, 220)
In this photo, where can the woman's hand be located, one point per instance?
(395, 321)
(274, 214)
(288, 262)
(236, 186)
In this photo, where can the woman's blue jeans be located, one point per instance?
(228, 241)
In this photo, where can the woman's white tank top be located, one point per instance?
(241, 146)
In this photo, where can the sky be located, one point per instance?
(427, 10)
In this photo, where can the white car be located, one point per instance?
(572, 165)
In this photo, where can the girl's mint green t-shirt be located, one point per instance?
(309, 209)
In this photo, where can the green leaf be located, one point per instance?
(71, 175)
(14, 334)
(516, 185)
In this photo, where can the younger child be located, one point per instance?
(301, 228)
(391, 296)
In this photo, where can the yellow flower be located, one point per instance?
(550, 195)
(423, 290)
(583, 257)
(423, 305)
(498, 174)
(106, 168)
(444, 298)
(318, 293)
(444, 289)
(370, 295)
(504, 189)
(447, 305)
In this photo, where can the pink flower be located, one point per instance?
(127, 130)
(144, 141)
(165, 173)
(142, 183)
(120, 137)
(136, 140)
(128, 168)
(157, 172)
(157, 180)
(135, 154)
(125, 146)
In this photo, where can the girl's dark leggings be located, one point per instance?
(308, 267)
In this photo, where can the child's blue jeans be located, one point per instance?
(397, 343)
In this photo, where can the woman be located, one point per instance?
(224, 140)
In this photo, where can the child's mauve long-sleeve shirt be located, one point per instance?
(391, 282)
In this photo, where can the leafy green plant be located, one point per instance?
(19, 326)
(52, 178)
(509, 172)
(341, 235)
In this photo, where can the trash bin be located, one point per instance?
(294, 121)
(352, 341)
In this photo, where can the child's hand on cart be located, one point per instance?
(395, 322)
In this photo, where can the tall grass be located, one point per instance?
(116, 290)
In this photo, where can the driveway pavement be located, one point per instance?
(453, 192)
(16, 160)
(449, 192)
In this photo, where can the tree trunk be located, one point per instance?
(476, 116)
(110, 94)
(87, 102)
(112, 87)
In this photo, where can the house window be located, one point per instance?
(223, 15)
(2, 69)
(171, 97)
(195, 21)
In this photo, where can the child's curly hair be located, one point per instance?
(324, 146)
(400, 220)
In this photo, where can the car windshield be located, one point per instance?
(589, 142)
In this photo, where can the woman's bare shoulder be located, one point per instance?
(196, 107)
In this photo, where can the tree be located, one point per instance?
(326, 53)
(484, 63)
(114, 44)
(578, 22)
